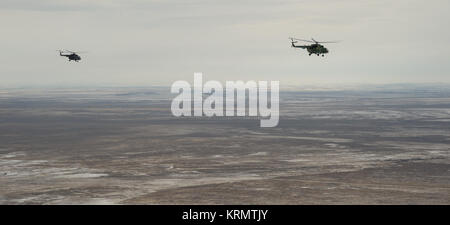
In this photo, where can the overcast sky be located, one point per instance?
(156, 42)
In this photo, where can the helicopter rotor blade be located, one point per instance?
(313, 40)
(303, 40)
(328, 41)
(318, 42)
(75, 52)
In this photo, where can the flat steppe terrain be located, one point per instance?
(123, 146)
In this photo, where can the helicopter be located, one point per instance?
(70, 55)
(314, 48)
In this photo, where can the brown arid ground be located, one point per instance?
(123, 146)
(368, 186)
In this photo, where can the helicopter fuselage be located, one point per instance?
(317, 49)
(314, 48)
(71, 56)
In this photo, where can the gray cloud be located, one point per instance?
(49, 5)
(157, 42)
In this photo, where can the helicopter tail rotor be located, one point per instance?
(292, 41)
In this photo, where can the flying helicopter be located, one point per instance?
(70, 55)
(314, 48)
